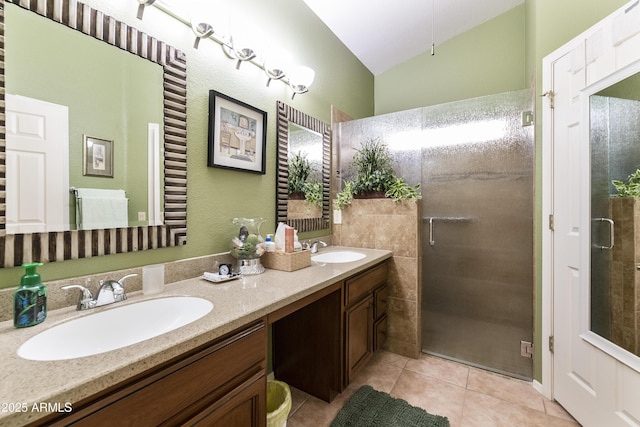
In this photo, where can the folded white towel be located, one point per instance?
(99, 212)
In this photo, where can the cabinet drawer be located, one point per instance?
(185, 387)
(380, 302)
(362, 284)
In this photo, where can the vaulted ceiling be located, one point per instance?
(385, 33)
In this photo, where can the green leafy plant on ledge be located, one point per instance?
(300, 185)
(631, 188)
(313, 193)
(299, 171)
(373, 168)
(400, 190)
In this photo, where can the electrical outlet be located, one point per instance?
(337, 216)
(142, 216)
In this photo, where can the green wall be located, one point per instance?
(485, 60)
(215, 196)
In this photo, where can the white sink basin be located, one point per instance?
(337, 257)
(114, 328)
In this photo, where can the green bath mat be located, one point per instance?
(368, 407)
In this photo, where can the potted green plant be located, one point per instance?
(630, 188)
(373, 168)
(400, 190)
(303, 184)
(374, 176)
(299, 171)
(313, 193)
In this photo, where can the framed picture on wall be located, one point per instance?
(97, 157)
(237, 134)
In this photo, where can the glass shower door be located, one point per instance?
(477, 182)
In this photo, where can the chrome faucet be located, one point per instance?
(314, 246)
(110, 291)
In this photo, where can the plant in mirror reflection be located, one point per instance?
(299, 171)
(302, 182)
(630, 188)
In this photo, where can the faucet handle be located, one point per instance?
(126, 277)
(86, 297)
(118, 288)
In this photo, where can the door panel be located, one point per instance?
(596, 382)
(37, 166)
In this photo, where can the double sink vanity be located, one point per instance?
(197, 353)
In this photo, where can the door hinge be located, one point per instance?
(551, 344)
(551, 94)
(527, 118)
(551, 222)
(526, 349)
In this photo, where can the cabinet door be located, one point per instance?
(379, 333)
(244, 408)
(359, 336)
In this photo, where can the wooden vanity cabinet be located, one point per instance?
(320, 342)
(222, 383)
(306, 343)
(365, 317)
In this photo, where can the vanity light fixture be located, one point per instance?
(275, 62)
(242, 54)
(299, 79)
(201, 30)
(239, 54)
(273, 74)
(142, 4)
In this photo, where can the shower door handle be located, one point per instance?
(431, 241)
(611, 233)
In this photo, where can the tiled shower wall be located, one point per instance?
(384, 224)
(624, 291)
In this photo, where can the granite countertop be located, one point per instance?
(27, 387)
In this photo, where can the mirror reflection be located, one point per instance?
(305, 173)
(304, 145)
(81, 114)
(615, 212)
(104, 155)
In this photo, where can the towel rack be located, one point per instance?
(74, 190)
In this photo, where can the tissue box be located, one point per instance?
(286, 261)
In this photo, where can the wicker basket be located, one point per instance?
(286, 261)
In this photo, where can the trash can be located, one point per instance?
(278, 403)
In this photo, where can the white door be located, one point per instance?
(596, 381)
(37, 165)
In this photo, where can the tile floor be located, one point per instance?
(468, 396)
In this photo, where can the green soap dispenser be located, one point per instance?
(30, 299)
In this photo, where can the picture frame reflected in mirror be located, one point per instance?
(97, 156)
